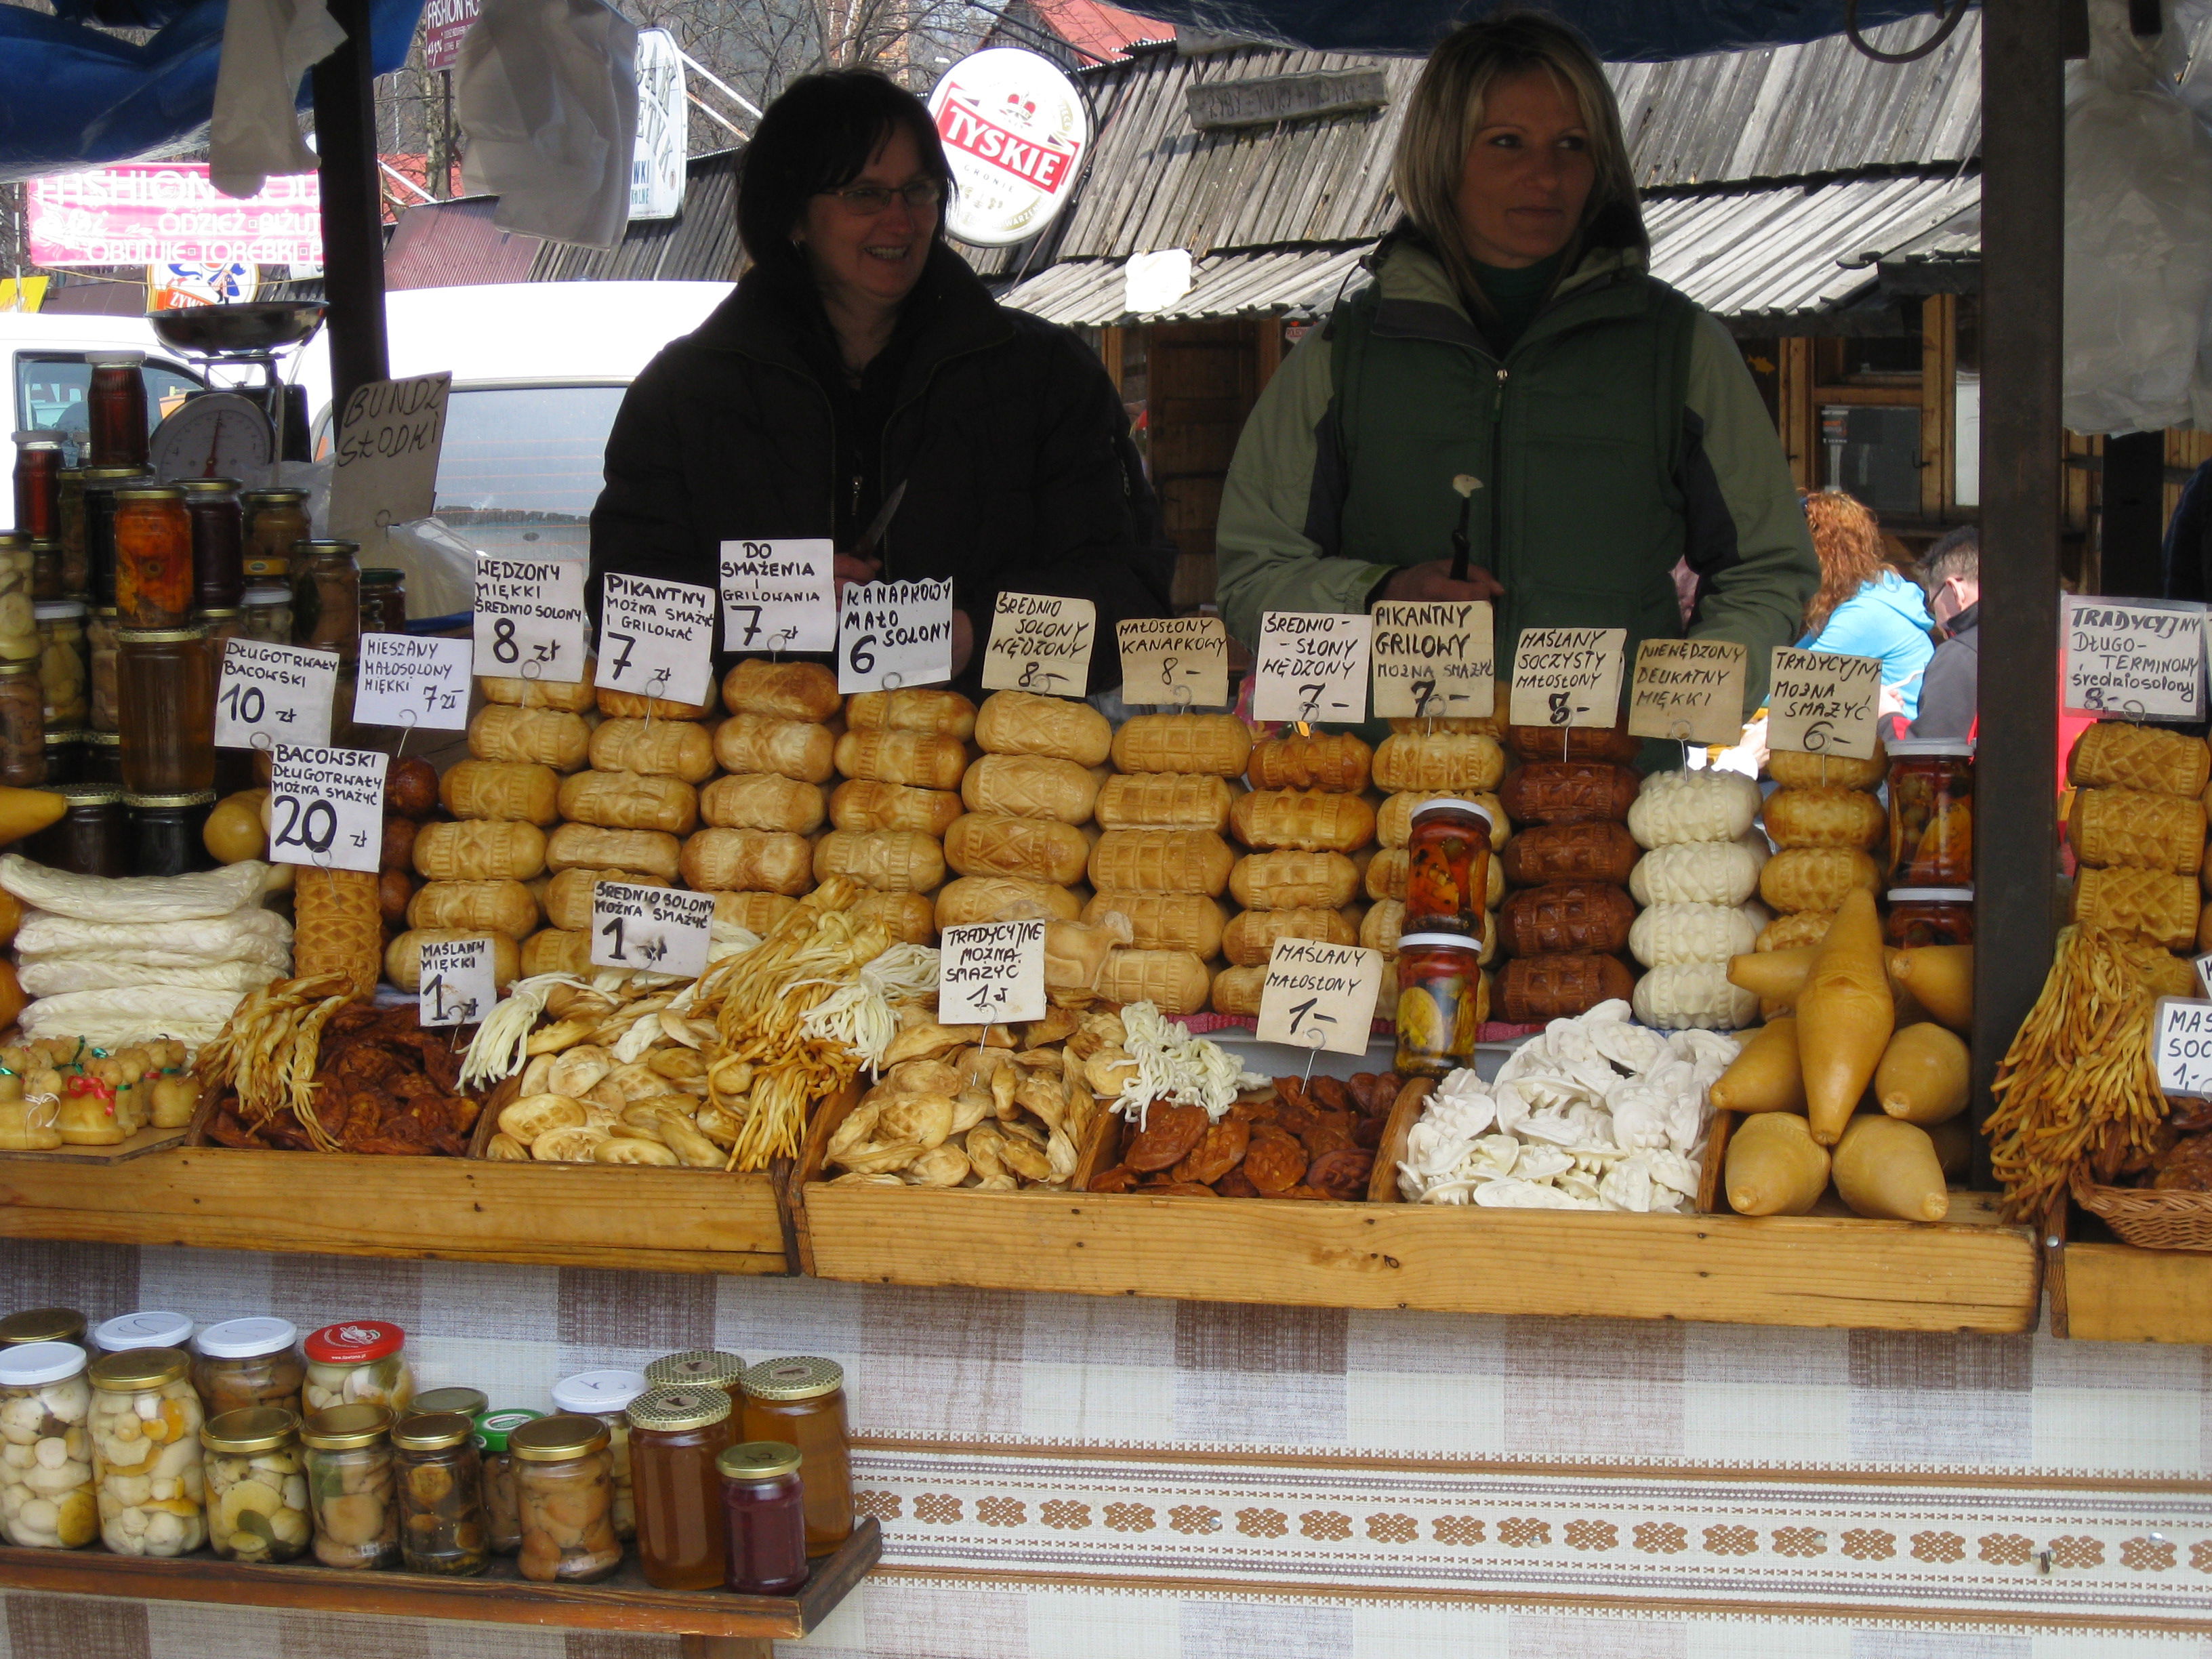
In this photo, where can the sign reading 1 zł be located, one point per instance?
(659, 930)
(1318, 995)
(2181, 1048)
(991, 972)
(2137, 658)
(457, 987)
(530, 622)
(1822, 702)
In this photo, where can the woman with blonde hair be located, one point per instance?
(1864, 608)
(1514, 383)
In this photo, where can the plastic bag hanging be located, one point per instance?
(547, 94)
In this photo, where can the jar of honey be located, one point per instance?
(1442, 1000)
(1928, 915)
(1931, 812)
(1448, 866)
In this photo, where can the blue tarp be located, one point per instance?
(1623, 31)
(72, 96)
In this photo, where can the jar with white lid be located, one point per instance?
(152, 1329)
(257, 1485)
(45, 1448)
(606, 1395)
(240, 1363)
(145, 1424)
(358, 1362)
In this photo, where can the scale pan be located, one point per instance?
(210, 330)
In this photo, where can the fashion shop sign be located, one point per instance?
(158, 213)
(1015, 129)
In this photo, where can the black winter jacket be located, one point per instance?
(1010, 439)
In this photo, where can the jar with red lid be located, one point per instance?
(1442, 1000)
(1448, 866)
(218, 542)
(115, 408)
(764, 1515)
(357, 1362)
(153, 556)
(1931, 812)
(38, 484)
(1928, 915)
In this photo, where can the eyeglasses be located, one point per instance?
(869, 200)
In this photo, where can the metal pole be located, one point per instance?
(2023, 59)
(353, 209)
(2132, 519)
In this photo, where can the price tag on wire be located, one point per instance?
(326, 807)
(1822, 702)
(1312, 665)
(659, 930)
(1318, 995)
(530, 620)
(1691, 691)
(2181, 1048)
(1180, 662)
(412, 680)
(457, 985)
(1434, 660)
(991, 972)
(780, 596)
(272, 693)
(1566, 677)
(894, 633)
(656, 638)
(2135, 659)
(1039, 642)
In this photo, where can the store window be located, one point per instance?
(1873, 452)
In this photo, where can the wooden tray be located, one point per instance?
(502, 1595)
(1968, 1274)
(137, 1145)
(2102, 1292)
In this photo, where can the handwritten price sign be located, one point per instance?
(1319, 996)
(1688, 689)
(1566, 677)
(1820, 702)
(407, 680)
(326, 807)
(272, 694)
(658, 930)
(1312, 666)
(1175, 662)
(1039, 642)
(456, 987)
(779, 596)
(992, 973)
(2181, 1048)
(2135, 659)
(530, 622)
(1434, 660)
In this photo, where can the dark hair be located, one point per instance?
(819, 136)
(1957, 553)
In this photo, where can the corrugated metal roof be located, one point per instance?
(1089, 292)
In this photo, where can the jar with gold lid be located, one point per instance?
(469, 1402)
(351, 1484)
(70, 528)
(257, 1485)
(101, 650)
(167, 832)
(763, 1508)
(19, 634)
(47, 1482)
(218, 541)
(275, 522)
(103, 758)
(89, 838)
(101, 484)
(726, 1371)
(42, 1325)
(145, 1425)
(168, 706)
(675, 1435)
(327, 597)
(441, 1480)
(802, 1400)
(565, 1494)
(153, 556)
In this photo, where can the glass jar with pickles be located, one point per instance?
(22, 725)
(275, 522)
(46, 1447)
(145, 1424)
(441, 1479)
(153, 556)
(502, 1519)
(351, 1486)
(564, 1491)
(257, 1485)
(240, 1363)
(19, 634)
(64, 667)
(358, 1362)
(1931, 808)
(102, 652)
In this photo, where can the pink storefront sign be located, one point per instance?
(145, 213)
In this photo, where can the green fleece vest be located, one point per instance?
(1576, 437)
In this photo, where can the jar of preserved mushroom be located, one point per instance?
(441, 1516)
(19, 634)
(469, 1402)
(564, 1491)
(360, 1362)
(257, 1485)
(245, 1363)
(802, 1401)
(606, 1395)
(42, 1325)
(503, 1522)
(45, 1448)
(103, 653)
(269, 614)
(22, 727)
(145, 1422)
(351, 1486)
(63, 664)
(327, 597)
(153, 1327)
(275, 522)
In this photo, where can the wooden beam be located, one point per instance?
(2023, 170)
(352, 208)
(1939, 454)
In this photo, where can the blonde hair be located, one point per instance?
(1848, 538)
(1446, 112)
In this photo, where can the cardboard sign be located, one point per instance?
(272, 693)
(656, 638)
(386, 454)
(326, 807)
(1312, 665)
(1434, 660)
(2203, 965)
(1041, 643)
(1177, 662)
(1319, 996)
(2181, 1048)
(894, 633)
(457, 987)
(530, 621)
(1818, 703)
(779, 596)
(656, 930)
(409, 680)
(1690, 689)
(1568, 676)
(991, 974)
(2139, 659)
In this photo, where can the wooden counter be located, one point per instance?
(455, 1209)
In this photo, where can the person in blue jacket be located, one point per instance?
(1865, 608)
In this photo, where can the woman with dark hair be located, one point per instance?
(1514, 371)
(860, 371)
